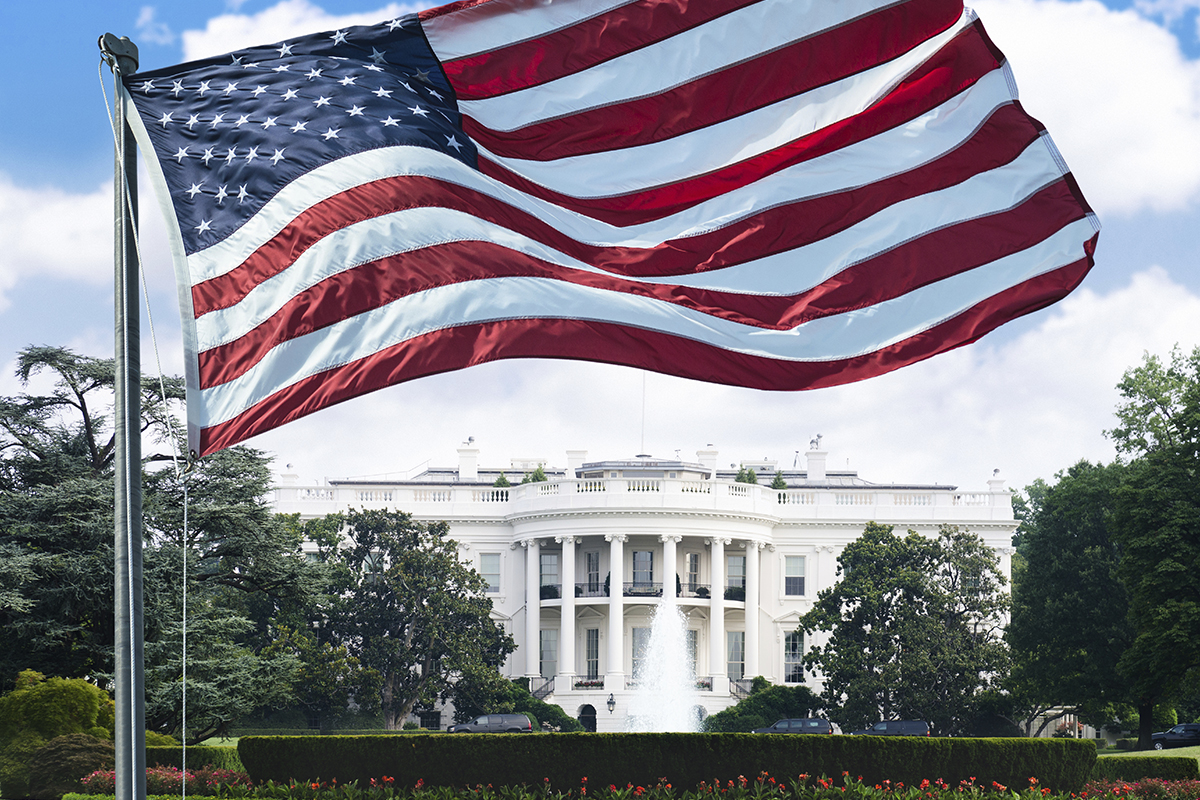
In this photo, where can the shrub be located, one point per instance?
(1126, 744)
(197, 757)
(1135, 768)
(162, 780)
(57, 766)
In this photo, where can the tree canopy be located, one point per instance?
(912, 629)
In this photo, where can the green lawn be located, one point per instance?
(218, 741)
(1194, 752)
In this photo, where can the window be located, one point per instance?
(736, 647)
(793, 576)
(693, 571)
(591, 564)
(736, 573)
(549, 569)
(549, 653)
(489, 568)
(591, 654)
(643, 567)
(690, 646)
(430, 718)
(793, 652)
(641, 643)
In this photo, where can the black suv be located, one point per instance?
(896, 727)
(1182, 735)
(798, 726)
(494, 723)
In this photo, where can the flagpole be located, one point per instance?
(130, 739)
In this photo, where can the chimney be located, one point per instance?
(708, 458)
(816, 465)
(996, 484)
(468, 462)
(575, 459)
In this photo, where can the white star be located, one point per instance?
(253, 154)
(377, 56)
(203, 226)
(180, 154)
(230, 155)
(203, 87)
(236, 60)
(299, 126)
(406, 86)
(314, 73)
(356, 111)
(280, 68)
(421, 75)
(452, 142)
(230, 88)
(195, 190)
(393, 24)
(250, 65)
(374, 68)
(275, 159)
(321, 101)
(348, 80)
(242, 194)
(285, 50)
(221, 195)
(217, 120)
(382, 92)
(192, 120)
(420, 112)
(389, 122)
(435, 94)
(208, 156)
(242, 120)
(259, 90)
(289, 94)
(332, 133)
(147, 86)
(176, 87)
(269, 123)
(165, 118)
(339, 37)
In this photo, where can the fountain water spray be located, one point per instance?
(666, 696)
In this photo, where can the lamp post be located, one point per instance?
(612, 702)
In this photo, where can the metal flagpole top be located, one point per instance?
(120, 54)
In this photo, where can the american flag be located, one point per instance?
(777, 194)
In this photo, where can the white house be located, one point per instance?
(576, 565)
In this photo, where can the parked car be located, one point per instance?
(495, 723)
(798, 726)
(1183, 735)
(896, 727)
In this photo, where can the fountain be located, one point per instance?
(665, 699)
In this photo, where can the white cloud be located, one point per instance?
(48, 232)
(151, 29)
(1116, 93)
(281, 21)
(1029, 404)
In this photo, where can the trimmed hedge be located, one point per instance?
(197, 757)
(1134, 768)
(316, 732)
(684, 759)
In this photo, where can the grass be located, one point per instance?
(231, 741)
(1194, 752)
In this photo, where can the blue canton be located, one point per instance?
(231, 131)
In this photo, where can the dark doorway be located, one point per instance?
(587, 718)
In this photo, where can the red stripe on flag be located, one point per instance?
(954, 68)
(469, 345)
(775, 76)
(914, 264)
(1005, 135)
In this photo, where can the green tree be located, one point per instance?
(1157, 524)
(502, 481)
(40, 709)
(778, 482)
(1070, 623)
(912, 629)
(537, 476)
(406, 606)
(745, 475)
(766, 704)
(328, 678)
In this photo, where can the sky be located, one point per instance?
(1117, 84)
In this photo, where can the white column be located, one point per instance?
(752, 549)
(566, 627)
(614, 677)
(533, 608)
(716, 618)
(670, 566)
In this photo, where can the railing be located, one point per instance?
(695, 487)
(643, 486)
(489, 496)
(796, 498)
(694, 590)
(550, 591)
(433, 495)
(643, 589)
(541, 690)
(589, 683)
(856, 499)
(972, 499)
(373, 496)
(738, 490)
(591, 589)
(704, 684)
(547, 489)
(912, 499)
(591, 486)
(314, 494)
(741, 688)
(735, 592)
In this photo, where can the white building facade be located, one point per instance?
(577, 565)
